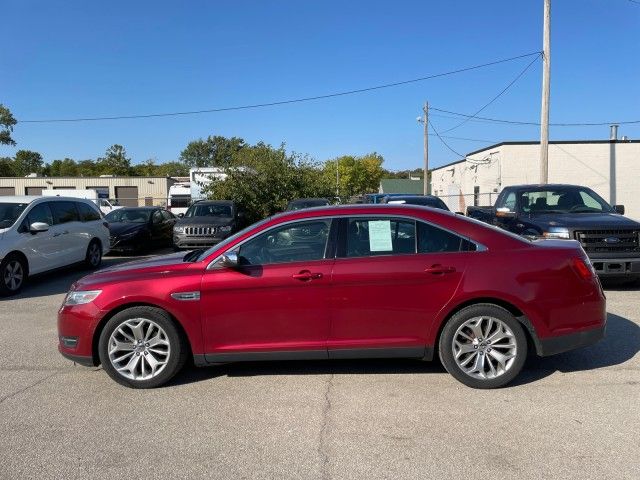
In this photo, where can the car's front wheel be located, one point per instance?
(13, 274)
(140, 347)
(483, 346)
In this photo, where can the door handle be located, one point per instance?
(306, 275)
(65, 232)
(57, 234)
(439, 269)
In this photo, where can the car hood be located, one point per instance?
(119, 228)
(137, 269)
(590, 221)
(216, 221)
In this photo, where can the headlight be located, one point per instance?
(557, 232)
(178, 229)
(80, 297)
(225, 229)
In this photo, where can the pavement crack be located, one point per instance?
(24, 389)
(324, 430)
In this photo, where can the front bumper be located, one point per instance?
(76, 325)
(616, 267)
(564, 343)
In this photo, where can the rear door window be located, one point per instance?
(380, 236)
(64, 212)
(432, 239)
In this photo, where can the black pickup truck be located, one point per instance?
(611, 240)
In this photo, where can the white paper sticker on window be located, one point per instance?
(380, 236)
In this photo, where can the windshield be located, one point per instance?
(9, 213)
(229, 240)
(209, 210)
(126, 215)
(562, 200)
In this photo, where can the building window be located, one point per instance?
(476, 196)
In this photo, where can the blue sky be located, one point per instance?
(78, 58)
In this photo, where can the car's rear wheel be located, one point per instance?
(141, 347)
(483, 346)
(13, 274)
(93, 258)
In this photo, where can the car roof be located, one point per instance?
(360, 209)
(547, 185)
(36, 198)
(140, 208)
(214, 202)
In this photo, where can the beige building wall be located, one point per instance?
(612, 169)
(127, 190)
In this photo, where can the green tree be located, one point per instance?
(27, 162)
(212, 152)
(148, 168)
(63, 168)
(355, 175)
(6, 167)
(115, 162)
(172, 169)
(6, 122)
(263, 179)
(87, 168)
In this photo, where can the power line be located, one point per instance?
(502, 92)
(517, 122)
(282, 102)
(445, 143)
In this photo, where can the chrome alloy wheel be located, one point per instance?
(13, 275)
(484, 347)
(139, 349)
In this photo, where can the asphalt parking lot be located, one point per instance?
(575, 415)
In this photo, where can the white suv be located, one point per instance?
(38, 234)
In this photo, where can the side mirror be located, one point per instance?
(504, 212)
(229, 260)
(37, 227)
(619, 209)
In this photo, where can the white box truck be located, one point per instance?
(103, 203)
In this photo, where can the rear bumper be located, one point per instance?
(564, 343)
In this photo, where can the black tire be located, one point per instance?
(13, 274)
(447, 354)
(178, 347)
(93, 258)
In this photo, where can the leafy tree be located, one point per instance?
(212, 152)
(6, 122)
(27, 162)
(87, 168)
(63, 168)
(6, 167)
(115, 162)
(356, 175)
(148, 168)
(172, 169)
(263, 179)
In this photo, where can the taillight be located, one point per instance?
(583, 268)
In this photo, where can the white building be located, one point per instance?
(610, 167)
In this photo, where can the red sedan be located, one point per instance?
(359, 281)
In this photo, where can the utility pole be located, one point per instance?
(544, 113)
(425, 121)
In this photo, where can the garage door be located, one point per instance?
(4, 191)
(33, 190)
(127, 196)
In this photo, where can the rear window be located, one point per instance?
(64, 212)
(87, 213)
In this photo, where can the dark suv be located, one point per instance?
(206, 223)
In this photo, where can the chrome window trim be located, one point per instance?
(479, 246)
